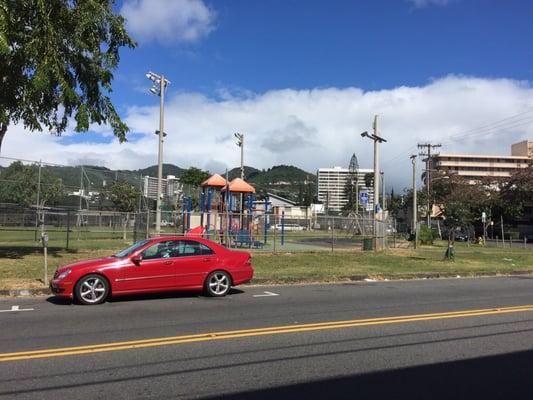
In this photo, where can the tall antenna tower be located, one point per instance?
(353, 181)
(354, 165)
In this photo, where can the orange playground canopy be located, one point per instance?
(239, 186)
(214, 181)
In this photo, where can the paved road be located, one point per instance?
(361, 340)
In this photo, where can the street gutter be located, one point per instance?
(269, 282)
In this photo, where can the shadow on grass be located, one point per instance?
(18, 252)
(59, 301)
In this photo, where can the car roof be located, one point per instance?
(200, 239)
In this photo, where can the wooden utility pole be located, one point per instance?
(427, 154)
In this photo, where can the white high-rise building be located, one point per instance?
(332, 187)
(170, 187)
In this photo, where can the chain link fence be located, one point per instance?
(72, 204)
(257, 231)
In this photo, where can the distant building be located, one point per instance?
(332, 187)
(477, 166)
(170, 187)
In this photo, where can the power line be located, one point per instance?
(505, 123)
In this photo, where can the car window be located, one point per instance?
(192, 248)
(165, 249)
(128, 251)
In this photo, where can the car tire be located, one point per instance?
(91, 289)
(217, 284)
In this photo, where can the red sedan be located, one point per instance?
(155, 265)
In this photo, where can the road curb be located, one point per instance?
(345, 279)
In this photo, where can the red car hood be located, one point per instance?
(94, 263)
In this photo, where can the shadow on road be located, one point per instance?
(166, 295)
(145, 297)
(506, 376)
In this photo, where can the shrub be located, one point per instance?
(427, 235)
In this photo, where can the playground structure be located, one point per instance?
(226, 212)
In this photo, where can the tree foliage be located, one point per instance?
(56, 61)
(350, 192)
(369, 179)
(194, 176)
(19, 184)
(517, 193)
(124, 196)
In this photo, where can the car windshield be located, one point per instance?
(130, 250)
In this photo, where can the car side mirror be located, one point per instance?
(137, 259)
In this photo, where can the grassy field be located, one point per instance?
(21, 262)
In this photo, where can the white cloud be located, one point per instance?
(426, 3)
(309, 128)
(168, 21)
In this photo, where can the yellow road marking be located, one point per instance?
(274, 330)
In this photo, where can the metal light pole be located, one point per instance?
(415, 206)
(240, 143)
(160, 84)
(377, 140)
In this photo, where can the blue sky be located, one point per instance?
(301, 79)
(265, 45)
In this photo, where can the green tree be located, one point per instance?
(396, 204)
(124, 196)
(194, 176)
(19, 184)
(517, 193)
(369, 179)
(350, 192)
(56, 61)
(462, 206)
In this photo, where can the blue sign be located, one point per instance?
(363, 198)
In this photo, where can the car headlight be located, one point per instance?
(64, 274)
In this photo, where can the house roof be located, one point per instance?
(214, 181)
(282, 199)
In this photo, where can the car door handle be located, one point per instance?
(207, 259)
(168, 263)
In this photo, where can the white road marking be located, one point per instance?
(17, 308)
(266, 294)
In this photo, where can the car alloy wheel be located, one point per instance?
(92, 289)
(218, 283)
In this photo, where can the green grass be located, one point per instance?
(21, 261)
(391, 264)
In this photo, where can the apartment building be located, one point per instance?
(170, 187)
(332, 187)
(477, 166)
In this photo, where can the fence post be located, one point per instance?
(282, 228)
(68, 227)
(147, 223)
(332, 227)
(503, 234)
(394, 234)
(275, 229)
(525, 242)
